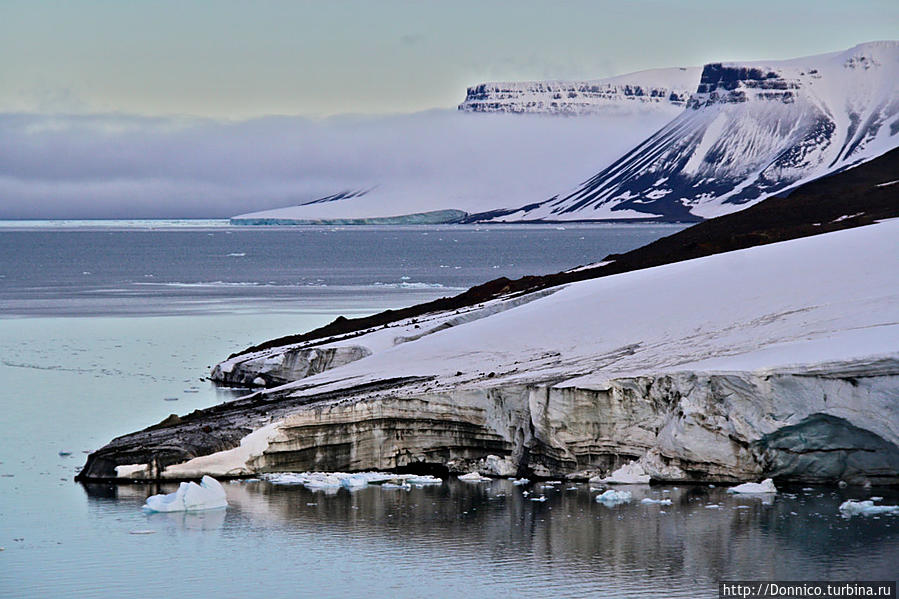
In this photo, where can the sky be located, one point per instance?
(209, 109)
(238, 60)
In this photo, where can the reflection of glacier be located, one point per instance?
(570, 531)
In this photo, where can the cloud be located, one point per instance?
(96, 166)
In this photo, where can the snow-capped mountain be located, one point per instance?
(441, 166)
(671, 87)
(750, 131)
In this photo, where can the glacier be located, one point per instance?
(778, 361)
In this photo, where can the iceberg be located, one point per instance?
(208, 495)
(613, 497)
(866, 508)
(766, 486)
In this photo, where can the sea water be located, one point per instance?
(106, 328)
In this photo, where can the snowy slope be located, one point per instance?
(751, 130)
(763, 307)
(623, 93)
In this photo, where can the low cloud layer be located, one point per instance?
(119, 166)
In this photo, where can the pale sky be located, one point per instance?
(238, 60)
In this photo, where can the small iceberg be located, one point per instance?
(474, 477)
(866, 508)
(208, 495)
(648, 500)
(541, 499)
(520, 481)
(629, 474)
(613, 497)
(766, 486)
(354, 481)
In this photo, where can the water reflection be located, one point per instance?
(704, 535)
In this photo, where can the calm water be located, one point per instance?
(86, 357)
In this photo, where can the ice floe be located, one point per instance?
(656, 501)
(474, 477)
(333, 481)
(613, 497)
(208, 495)
(424, 480)
(866, 508)
(766, 486)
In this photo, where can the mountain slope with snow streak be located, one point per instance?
(750, 131)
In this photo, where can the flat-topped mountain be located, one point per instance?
(653, 89)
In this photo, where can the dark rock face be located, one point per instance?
(824, 448)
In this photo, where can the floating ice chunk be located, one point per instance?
(208, 495)
(712, 506)
(319, 480)
(613, 497)
(424, 480)
(541, 498)
(474, 477)
(629, 474)
(404, 486)
(657, 501)
(866, 508)
(520, 481)
(766, 486)
(354, 481)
